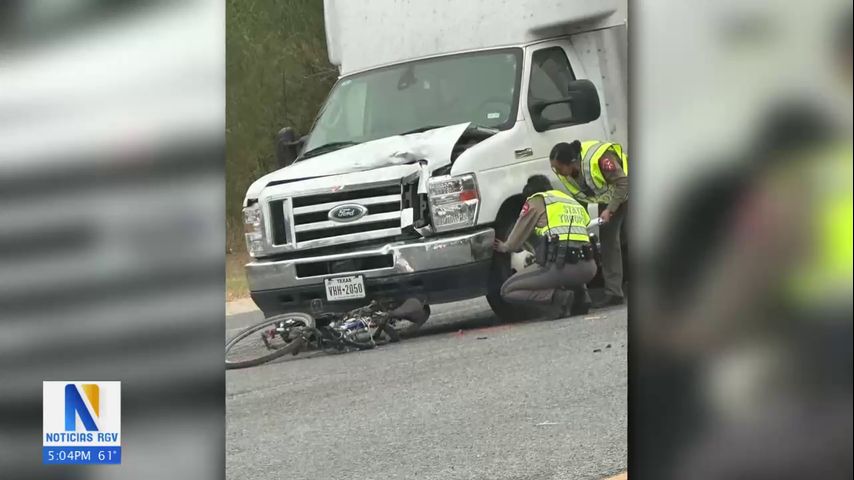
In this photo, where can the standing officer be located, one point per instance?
(564, 257)
(597, 172)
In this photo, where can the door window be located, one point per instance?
(550, 78)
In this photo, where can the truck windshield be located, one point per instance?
(481, 87)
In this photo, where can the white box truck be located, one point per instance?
(417, 159)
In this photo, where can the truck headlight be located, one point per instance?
(253, 227)
(453, 201)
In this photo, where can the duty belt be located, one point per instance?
(561, 252)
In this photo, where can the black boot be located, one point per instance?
(562, 300)
(581, 304)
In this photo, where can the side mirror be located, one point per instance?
(581, 105)
(287, 146)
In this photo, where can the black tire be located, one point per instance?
(264, 353)
(500, 271)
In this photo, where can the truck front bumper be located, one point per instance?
(436, 270)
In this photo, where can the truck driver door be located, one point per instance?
(551, 67)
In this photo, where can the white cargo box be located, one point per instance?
(368, 33)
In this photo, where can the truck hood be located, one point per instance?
(431, 148)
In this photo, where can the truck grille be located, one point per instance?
(310, 226)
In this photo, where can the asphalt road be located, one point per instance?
(467, 398)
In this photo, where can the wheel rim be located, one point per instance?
(263, 340)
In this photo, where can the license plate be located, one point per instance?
(345, 288)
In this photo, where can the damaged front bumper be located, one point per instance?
(436, 270)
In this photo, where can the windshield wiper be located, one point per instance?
(326, 148)
(422, 129)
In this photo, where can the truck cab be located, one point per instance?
(417, 159)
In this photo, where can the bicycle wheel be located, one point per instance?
(267, 340)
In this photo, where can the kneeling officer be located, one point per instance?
(564, 257)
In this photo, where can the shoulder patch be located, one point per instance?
(525, 209)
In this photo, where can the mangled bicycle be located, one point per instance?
(293, 333)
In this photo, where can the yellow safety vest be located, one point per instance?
(826, 275)
(591, 152)
(566, 217)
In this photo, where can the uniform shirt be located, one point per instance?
(533, 215)
(614, 175)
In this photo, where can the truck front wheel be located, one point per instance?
(500, 271)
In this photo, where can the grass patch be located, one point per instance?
(236, 286)
(278, 75)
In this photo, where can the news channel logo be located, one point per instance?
(82, 423)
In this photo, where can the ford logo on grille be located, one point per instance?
(348, 212)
